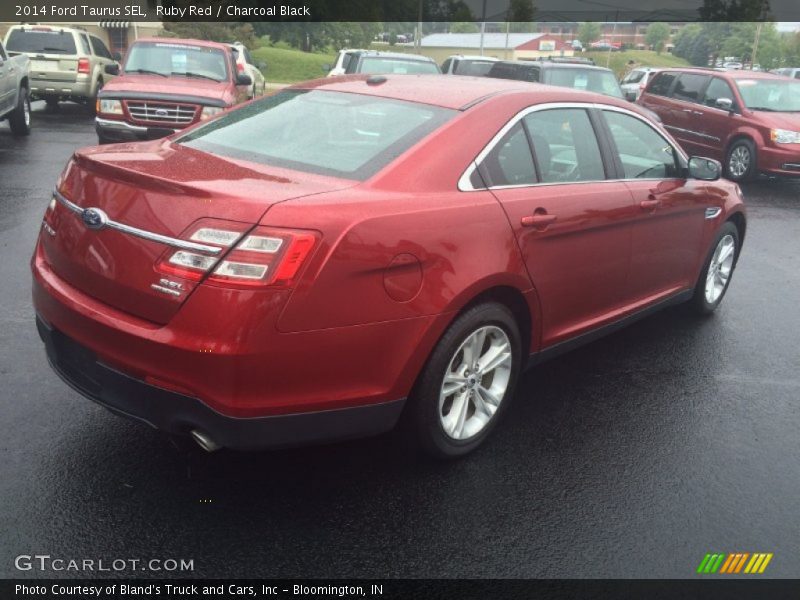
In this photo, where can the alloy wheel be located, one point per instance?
(719, 269)
(475, 383)
(739, 161)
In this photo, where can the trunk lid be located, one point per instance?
(161, 188)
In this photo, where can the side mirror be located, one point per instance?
(112, 69)
(117, 56)
(243, 79)
(705, 169)
(326, 67)
(724, 104)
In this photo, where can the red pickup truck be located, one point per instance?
(166, 85)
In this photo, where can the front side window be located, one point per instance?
(565, 146)
(166, 58)
(718, 90)
(644, 153)
(690, 87)
(327, 133)
(510, 161)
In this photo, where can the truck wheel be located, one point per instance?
(20, 118)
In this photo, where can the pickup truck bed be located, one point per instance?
(15, 103)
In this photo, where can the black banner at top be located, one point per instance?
(400, 10)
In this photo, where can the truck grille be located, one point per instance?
(161, 112)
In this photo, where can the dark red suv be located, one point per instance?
(312, 264)
(748, 120)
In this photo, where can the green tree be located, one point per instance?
(685, 39)
(464, 27)
(656, 36)
(588, 32)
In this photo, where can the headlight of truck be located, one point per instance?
(109, 107)
(784, 136)
(210, 111)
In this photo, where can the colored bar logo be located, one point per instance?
(734, 563)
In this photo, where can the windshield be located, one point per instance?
(41, 42)
(165, 58)
(381, 65)
(329, 133)
(772, 95)
(590, 80)
(476, 68)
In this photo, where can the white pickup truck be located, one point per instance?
(15, 101)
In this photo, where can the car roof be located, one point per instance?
(553, 65)
(401, 55)
(738, 74)
(473, 57)
(185, 41)
(454, 92)
(36, 26)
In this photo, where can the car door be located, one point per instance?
(572, 225)
(686, 124)
(717, 122)
(668, 230)
(7, 81)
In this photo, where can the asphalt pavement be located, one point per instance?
(631, 457)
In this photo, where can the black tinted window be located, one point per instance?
(446, 65)
(643, 151)
(565, 146)
(661, 84)
(41, 42)
(689, 87)
(99, 48)
(512, 71)
(510, 161)
(476, 68)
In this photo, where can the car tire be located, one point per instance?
(93, 101)
(717, 271)
(451, 425)
(19, 120)
(741, 162)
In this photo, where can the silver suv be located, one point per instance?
(66, 63)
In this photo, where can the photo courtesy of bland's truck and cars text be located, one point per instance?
(408, 299)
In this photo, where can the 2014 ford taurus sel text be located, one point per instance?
(311, 265)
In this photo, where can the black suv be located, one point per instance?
(576, 75)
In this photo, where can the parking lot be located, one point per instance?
(631, 457)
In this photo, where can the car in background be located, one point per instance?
(66, 63)
(748, 120)
(397, 63)
(311, 265)
(634, 83)
(168, 84)
(576, 75)
(605, 45)
(575, 44)
(245, 64)
(342, 60)
(732, 66)
(459, 64)
(794, 73)
(15, 101)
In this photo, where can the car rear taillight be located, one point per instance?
(263, 257)
(83, 65)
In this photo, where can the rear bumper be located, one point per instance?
(176, 413)
(75, 90)
(120, 131)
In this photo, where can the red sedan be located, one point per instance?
(313, 264)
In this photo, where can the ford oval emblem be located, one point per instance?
(160, 112)
(94, 218)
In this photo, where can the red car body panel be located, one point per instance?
(709, 131)
(398, 256)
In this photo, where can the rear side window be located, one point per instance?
(446, 65)
(661, 84)
(328, 133)
(510, 162)
(515, 72)
(85, 44)
(644, 153)
(589, 80)
(41, 42)
(565, 146)
(690, 87)
(99, 48)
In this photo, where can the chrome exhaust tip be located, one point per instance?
(205, 442)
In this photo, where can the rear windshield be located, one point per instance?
(590, 80)
(41, 42)
(633, 77)
(476, 68)
(380, 65)
(328, 133)
(166, 58)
